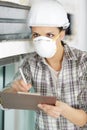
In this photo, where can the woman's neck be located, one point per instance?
(56, 61)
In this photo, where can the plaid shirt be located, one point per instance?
(70, 86)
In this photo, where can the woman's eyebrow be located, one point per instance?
(35, 32)
(50, 33)
(45, 33)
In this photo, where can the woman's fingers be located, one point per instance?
(50, 110)
(20, 85)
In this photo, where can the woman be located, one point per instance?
(55, 69)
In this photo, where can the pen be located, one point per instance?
(23, 77)
(21, 72)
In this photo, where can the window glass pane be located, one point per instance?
(19, 119)
(1, 85)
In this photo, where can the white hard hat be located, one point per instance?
(48, 13)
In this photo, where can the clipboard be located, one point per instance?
(24, 101)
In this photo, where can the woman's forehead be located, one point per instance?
(45, 29)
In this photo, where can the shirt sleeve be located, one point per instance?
(82, 98)
(26, 72)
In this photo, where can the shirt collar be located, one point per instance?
(69, 52)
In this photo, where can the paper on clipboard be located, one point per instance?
(24, 101)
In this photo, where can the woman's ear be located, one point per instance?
(62, 35)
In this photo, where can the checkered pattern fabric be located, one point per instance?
(70, 85)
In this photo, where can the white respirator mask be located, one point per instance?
(44, 46)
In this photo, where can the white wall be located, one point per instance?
(78, 8)
(13, 48)
(82, 24)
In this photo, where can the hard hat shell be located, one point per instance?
(48, 13)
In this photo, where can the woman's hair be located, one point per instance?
(61, 29)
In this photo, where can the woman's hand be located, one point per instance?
(53, 111)
(21, 86)
(76, 116)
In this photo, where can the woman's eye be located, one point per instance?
(35, 35)
(50, 35)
